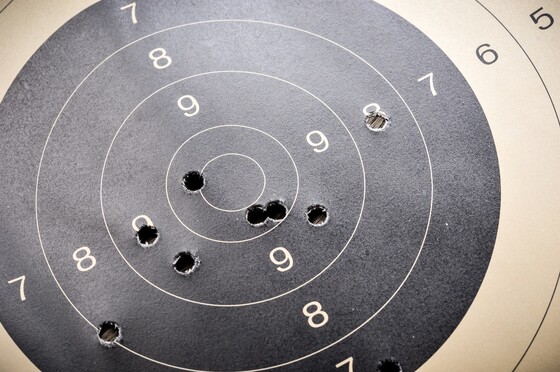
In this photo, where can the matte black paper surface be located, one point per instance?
(96, 134)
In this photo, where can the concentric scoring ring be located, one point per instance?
(246, 206)
(242, 21)
(245, 240)
(229, 241)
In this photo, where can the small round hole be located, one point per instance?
(317, 215)
(185, 263)
(377, 121)
(276, 210)
(256, 215)
(109, 334)
(147, 236)
(193, 181)
(388, 365)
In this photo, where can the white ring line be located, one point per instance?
(224, 126)
(211, 304)
(250, 204)
(205, 130)
(212, 128)
(282, 26)
(240, 209)
(289, 211)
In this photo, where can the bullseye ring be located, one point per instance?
(168, 182)
(246, 206)
(374, 310)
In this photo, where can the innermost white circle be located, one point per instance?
(244, 127)
(246, 206)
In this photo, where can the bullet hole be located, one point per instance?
(109, 334)
(185, 263)
(193, 181)
(256, 215)
(388, 365)
(276, 210)
(147, 236)
(377, 121)
(317, 215)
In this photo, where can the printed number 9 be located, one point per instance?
(323, 141)
(191, 110)
(287, 258)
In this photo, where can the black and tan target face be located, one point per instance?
(316, 186)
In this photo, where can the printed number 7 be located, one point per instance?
(430, 76)
(349, 361)
(21, 285)
(132, 11)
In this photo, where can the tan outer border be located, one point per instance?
(517, 288)
(509, 307)
(19, 41)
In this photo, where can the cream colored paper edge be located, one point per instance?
(517, 288)
(506, 312)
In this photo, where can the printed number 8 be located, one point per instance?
(314, 314)
(85, 257)
(162, 55)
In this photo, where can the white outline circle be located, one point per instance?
(247, 206)
(204, 131)
(238, 241)
(269, 24)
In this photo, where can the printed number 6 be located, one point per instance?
(481, 54)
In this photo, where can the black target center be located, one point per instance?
(185, 263)
(317, 215)
(193, 181)
(147, 236)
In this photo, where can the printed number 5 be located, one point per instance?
(543, 15)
